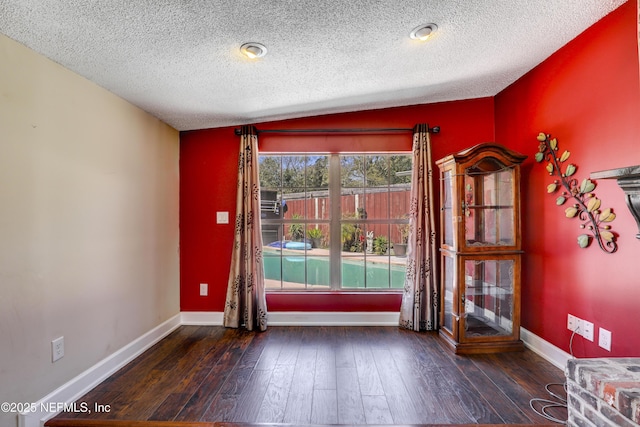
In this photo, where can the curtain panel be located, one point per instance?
(419, 309)
(246, 303)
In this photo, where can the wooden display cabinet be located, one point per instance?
(480, 248)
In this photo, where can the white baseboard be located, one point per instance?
(83, 383)
(212, 318)
(302, 318)
(545, 349)
(328, 318)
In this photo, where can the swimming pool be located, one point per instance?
(356, 273)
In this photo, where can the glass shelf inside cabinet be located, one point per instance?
(489, 204)
(488, 297)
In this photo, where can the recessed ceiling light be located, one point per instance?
(423, 32)
(253, 50)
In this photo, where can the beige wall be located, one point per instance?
(88, 223)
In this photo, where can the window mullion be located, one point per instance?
(335, 234)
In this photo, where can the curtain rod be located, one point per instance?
(435, 129)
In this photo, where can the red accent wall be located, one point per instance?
(588, 96)
(208, 163)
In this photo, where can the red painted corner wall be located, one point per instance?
(208, 164)
(587, 95)
(208, 168)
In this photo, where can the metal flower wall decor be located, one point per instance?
(586, 206)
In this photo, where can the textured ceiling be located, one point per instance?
(180, 60)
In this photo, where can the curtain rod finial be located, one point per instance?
(424, 127)
(247, 129)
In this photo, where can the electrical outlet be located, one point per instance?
(587, 330)
(204, 289)
(604, 339)
(57, 349)
(571, 322)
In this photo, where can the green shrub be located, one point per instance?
(380, 245)
(314, 233)
(296, 230)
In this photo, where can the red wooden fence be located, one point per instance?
(381, 205)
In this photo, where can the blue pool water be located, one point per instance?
(294, 269)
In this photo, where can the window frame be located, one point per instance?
(335, 223)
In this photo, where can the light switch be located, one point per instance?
(222, 217)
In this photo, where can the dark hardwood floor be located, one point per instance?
(321, 375)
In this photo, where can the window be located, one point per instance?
(333, 221)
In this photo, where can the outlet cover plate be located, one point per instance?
(57, 349)
(204, 289)
(587, 330)
(604, 339)
(572, 322)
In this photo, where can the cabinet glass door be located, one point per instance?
(488, 204)
(488, 298)
(448, 308)
(447, 208)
